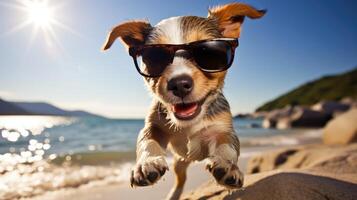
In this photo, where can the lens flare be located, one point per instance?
(40, 14)
(43, 17)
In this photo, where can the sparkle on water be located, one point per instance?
(25, 171)
(12, 128)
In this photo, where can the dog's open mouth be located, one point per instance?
(186, 111)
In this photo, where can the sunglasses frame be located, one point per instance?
(136, 51)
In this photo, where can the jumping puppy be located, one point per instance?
(184, 61)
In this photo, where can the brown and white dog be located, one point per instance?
(202, 130)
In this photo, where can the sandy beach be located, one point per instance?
(197, 175)
(330, 169)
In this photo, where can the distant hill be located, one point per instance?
(49, 109)
(38, 108)
(333, 87)
(7, 108)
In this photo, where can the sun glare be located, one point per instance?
(42, 16)
(39, 13)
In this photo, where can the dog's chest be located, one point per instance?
(191, 146)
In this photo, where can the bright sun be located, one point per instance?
(42, 17)
(39, 13)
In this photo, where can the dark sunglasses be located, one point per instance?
(214, 55)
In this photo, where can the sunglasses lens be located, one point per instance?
(213, 56)
(155, 60)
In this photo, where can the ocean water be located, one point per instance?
(70, 135)
(101, 141)
(46, 153)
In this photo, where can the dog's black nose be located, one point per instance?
(181, 86)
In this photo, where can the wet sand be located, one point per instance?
(197, 175)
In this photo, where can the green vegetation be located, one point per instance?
(326, 88)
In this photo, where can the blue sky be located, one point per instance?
(295, 42)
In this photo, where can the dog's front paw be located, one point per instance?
(225, 172)
(148, 171)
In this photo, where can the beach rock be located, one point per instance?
(342, 129)
(329, 173)
(302, 157)
(243, 115)
(303, 117)
(297, 116)
(258, 115)
(330, 107)
(282, 186)
(349, 101)
(271, 161)
(273, 116)
(254, 125)
(269, 123)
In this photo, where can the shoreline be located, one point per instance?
(196, 176)
(98, 190)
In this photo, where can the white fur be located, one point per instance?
(211, 126)
(180, 70)
(171, 27)
(227, 152)
(148, 148)
(179, 67)
(212, 147)
(153, 164)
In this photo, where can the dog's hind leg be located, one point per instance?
(180, 167)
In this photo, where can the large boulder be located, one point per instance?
(289, 185)
(331, 107)
(334, 177)
(303, 117)
(342, 129)
(273, 116)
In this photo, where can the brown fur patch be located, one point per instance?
(231, 16)
(156, 37)
(198, 28)
(131, 33)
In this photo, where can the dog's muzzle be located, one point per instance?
(180, 86)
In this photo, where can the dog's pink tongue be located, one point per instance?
(185, 110)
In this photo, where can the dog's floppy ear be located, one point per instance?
(131, 33)
(230, 17)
